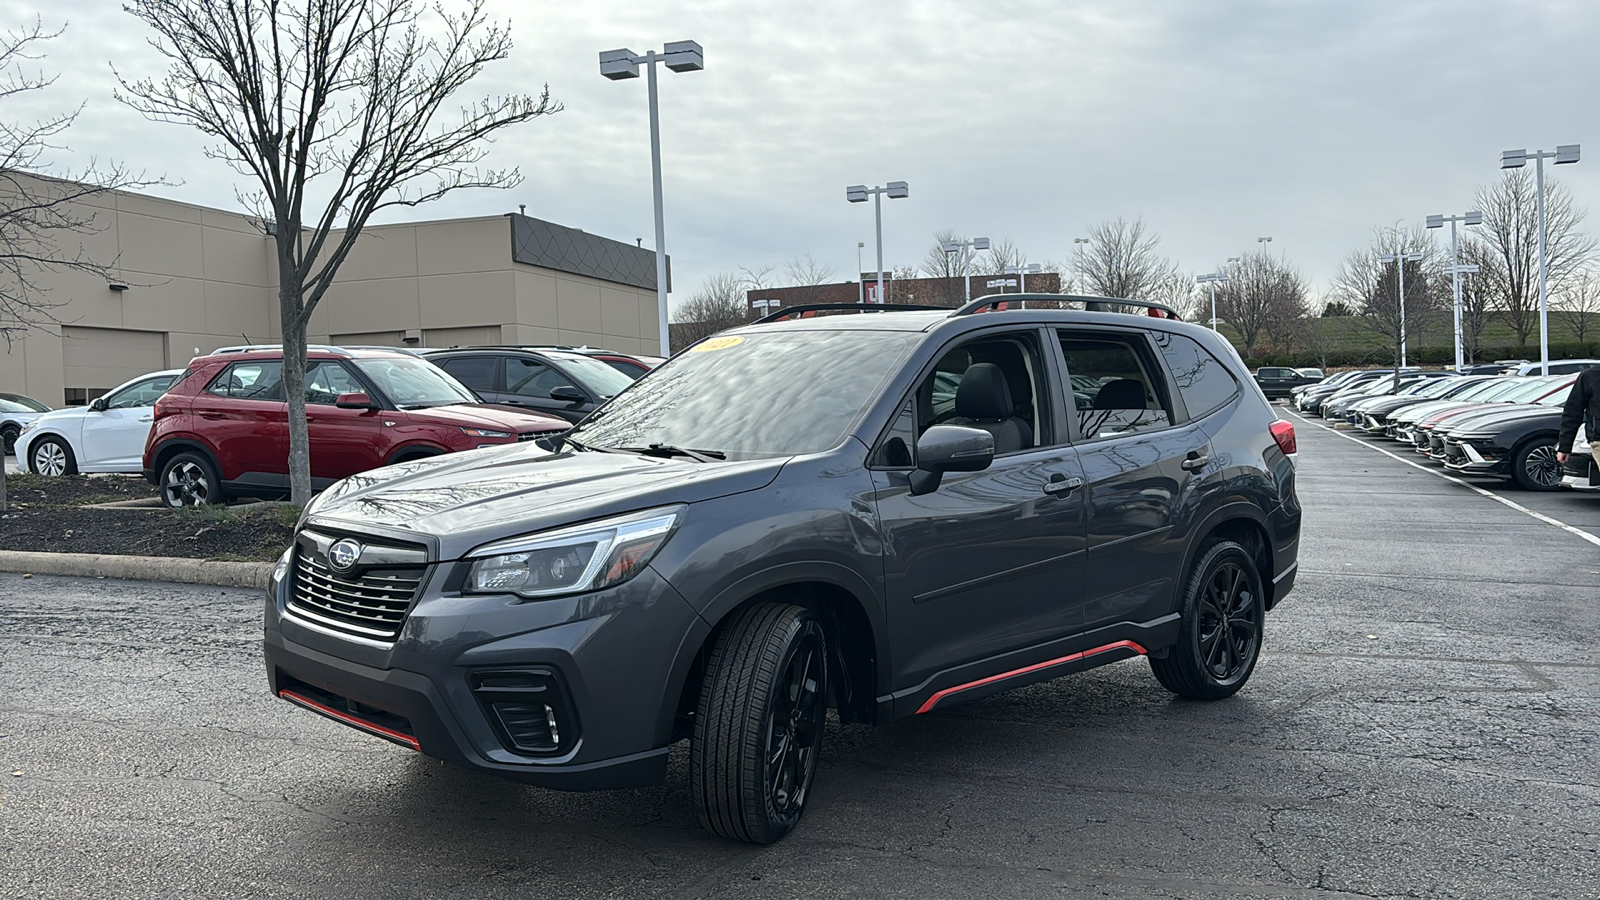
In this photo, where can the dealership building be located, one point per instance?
(188, 279)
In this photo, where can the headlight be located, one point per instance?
(484, 433)
(280, 570)
(29, 426)
(572, 560)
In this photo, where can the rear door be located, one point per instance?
(243, 415)
(1139, 460)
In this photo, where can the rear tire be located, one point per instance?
(1220, 629)
(52, 456)
(189, 479)
(1534, 466)
(759, 723)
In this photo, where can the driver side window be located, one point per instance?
(532, 379)
(990, 383)
(145, 393)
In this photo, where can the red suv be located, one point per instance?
(222, 429)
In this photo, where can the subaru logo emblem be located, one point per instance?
(343, 554)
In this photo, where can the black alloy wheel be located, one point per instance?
(189, 479)
(8, 437)
(759, 723)
(1535, 467)
(1219, 634)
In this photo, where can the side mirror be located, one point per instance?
(355, 401)
(567, 394)
(98, 404)
(950, 448)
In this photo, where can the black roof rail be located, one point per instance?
(1090, 303)
(874, 307)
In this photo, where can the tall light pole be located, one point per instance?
(858, 193)
(861, 286)
(1400, 259)
(617, 65)
(1022, 273)
(1516, 159)
(1213, 279)
(1456, 268)
(976, 244)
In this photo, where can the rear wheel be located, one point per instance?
(1219, 633)
(189, 479)
(52, 456)
(758, 727)
(1534, 466)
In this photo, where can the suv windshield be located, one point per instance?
(415, 383)
(776, 393)
(596, 375)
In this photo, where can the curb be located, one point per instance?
(138, 568)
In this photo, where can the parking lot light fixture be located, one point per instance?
(950, 247)
(619, 65)
(861, 286)
(1456, 268)
(1022, 273)
(1213, 279)
(1564, 154)
(858, 193)
(1400, 260)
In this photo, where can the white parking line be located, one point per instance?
(1468, 485)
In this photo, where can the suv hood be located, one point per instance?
(468, 499)
(495, 418)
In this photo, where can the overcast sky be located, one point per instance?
(1216, 122)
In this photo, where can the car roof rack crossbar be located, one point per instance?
(245, 348)
(861, 307)
(1090, 303)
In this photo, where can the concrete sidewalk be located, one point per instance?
(138, 568)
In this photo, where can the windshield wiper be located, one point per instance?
(563, 439)
(668, 450)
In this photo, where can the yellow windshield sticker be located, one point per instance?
(716, 343)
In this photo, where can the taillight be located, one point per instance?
(1283, 433)
(155, 411)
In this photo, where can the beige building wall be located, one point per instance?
(198, 279)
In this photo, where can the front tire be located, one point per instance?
(8, 438)
(1219, 633)
(759, 723)
(1534, 467)
(52, 456)
(189, 479)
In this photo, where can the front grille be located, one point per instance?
(534, 435)
(369, 601)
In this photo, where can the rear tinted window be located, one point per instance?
(254, 380)
(1203, 381)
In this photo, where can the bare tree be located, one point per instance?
(1121, 260)
(1372, 286)
(1262, 297)
(332, 107)
(1578, 305)
(950, 267)
(720, 304)
(43, 219)
(1511, 230)
(1479, 296)
(805, 270)
(1001, 254)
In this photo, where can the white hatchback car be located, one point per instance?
(106, 436)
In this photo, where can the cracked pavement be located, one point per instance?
(1425, 722)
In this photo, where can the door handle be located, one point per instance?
(1195, 460)
(1060, 485)
(147, 419)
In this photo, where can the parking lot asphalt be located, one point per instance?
(1425, 722)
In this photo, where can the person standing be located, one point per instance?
(1582, 408)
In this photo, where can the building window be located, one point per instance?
(82, 396)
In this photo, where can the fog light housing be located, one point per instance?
(528, 709)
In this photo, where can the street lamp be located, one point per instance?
(857, 193)
(617, 65)
(1400, 260)
(1456, 268)
(1022, 273)
(950, 247)
(1516, 159)
(861, 286)
(1213, 279)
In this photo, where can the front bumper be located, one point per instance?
(1474, 458)
(619, 658)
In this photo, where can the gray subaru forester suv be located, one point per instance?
(881, 514)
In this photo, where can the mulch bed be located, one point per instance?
(55, 515)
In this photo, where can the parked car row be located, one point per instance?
(1498, 426)
(218, 429)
